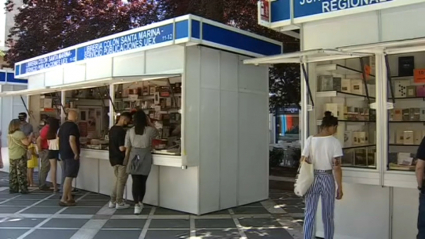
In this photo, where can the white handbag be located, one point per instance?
(305, 177)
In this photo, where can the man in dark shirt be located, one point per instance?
(420, 167)
(69, 149)
(116, 158)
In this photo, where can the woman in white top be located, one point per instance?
(324, 152)
(53, 154)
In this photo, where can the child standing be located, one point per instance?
(32, 163)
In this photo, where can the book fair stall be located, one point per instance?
(363, 61)
(10, 107)
(188, 75)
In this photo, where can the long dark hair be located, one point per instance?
(329, 120)
(140, 122)
(53, 128)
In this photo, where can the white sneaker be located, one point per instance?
(122, 205)
(137, 209)
(111, 204)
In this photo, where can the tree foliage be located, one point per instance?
(43, 26)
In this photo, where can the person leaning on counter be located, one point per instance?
(138, 157)
(116, 158)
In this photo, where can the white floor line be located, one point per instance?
(272, 207)
(35, 204)
(147, 224)
(238, 225)
(90, 229)
(105, 210)
(48, 219)
(3, 189)
(9, 199)
(192, 227)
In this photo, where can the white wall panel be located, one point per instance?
(210, 68)
(343, 31)
(251, 77)
(403, 22)
(178, 189)
(54, 77)
(369, 210)
(74, 73)
(405, 213)
(228, 148)
(129, 65)
(36, 81)
(229, 71)
(165, 60)
(209, 186)
(253, 147)
(99, 68)
(88, 176)
(192, 102)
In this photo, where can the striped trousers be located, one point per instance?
(324, 187)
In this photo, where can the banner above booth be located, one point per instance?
(279, 14)
(7, 77)
(187, 29)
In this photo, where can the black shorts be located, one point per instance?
(53, 154)
(71, 167)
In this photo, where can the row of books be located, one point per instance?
(344, 112)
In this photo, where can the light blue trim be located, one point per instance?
(161, 34)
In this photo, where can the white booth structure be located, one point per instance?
(363, 61)
(10, 107)
(186, 71)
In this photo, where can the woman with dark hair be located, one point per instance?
(324, 151)
(138, 157)
(18, 146)
(53, 154)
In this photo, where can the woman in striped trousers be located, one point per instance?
(324, 151)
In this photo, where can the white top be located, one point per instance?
(53, 144)
(321, 151)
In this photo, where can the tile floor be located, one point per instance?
(38, 216)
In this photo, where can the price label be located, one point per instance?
(419, 76)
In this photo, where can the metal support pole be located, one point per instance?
(362, 65)
(307, 84)
(388, 69)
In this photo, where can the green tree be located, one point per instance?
(43, 26)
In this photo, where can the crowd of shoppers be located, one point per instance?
(129, 154)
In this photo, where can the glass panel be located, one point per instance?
(406, 121)
(341, 90)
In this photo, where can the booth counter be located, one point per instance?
(363, 63)
(188, 75)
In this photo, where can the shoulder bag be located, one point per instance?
(305, 176)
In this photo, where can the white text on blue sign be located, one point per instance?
(337, 5)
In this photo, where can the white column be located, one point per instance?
(381, 115)
(63, 102)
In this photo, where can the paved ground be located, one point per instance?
(38, 216)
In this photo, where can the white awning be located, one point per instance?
(389, 47)
(308, 56)
(88, 84)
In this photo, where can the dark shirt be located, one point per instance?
(421, 150)
(116, 140)
(67, 129)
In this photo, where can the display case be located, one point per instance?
(161, 100)
(406, 119)
(340, 89)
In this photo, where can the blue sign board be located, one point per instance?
(280, 10)
(305, 8)
(48, 62)
(137, 40)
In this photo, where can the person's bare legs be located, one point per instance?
(67, 196)
(30, 172)
(53, 168)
